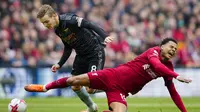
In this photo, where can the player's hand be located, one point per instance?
(182, 79)
(108, 39)
(55, 67)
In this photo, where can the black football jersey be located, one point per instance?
(79, 34)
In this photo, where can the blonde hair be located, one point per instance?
(45, 9)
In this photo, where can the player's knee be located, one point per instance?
(70, 81)
(76, 88)
(73, 81)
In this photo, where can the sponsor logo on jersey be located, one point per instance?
(148, 69)
(123, 97)
(70, 38)
(155, 53)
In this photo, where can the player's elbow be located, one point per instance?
(157, 67)
(86, 24)
(80, 80)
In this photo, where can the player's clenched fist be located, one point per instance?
(55, 67)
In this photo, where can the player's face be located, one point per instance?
(168, 50)
(49, 22)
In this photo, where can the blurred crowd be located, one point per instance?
(135, 24)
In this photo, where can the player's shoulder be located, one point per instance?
(67, 16)
(155, 50)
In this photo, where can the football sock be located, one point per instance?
(60, 83)
(97, 91)
(84, 96)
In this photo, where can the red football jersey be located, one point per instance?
(140, 71)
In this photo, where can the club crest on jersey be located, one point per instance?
(155, 53)
(70, 38)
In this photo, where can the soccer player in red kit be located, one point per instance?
(128, 78)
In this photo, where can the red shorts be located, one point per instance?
(105, 80)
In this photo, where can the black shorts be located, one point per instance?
(92, 62)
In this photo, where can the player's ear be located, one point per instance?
(54, 15)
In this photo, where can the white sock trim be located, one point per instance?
(44, 88)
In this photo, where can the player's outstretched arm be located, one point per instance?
(161, 68)
(174, 95)
(90, 25)
(164, 71)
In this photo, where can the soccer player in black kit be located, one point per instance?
(87, 39)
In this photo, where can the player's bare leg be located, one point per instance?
(81, 80)
(76, 82)
(60, 83)
(118, 107)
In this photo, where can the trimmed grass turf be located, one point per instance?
(60, 104)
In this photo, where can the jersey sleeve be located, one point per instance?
(152, 53)
(159, 67)
(92, 26)
(66, 53)
(72, 20)
(169, 80)
(174, 94)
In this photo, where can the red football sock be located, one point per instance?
(60, 83)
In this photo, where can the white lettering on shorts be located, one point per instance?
(123, 97)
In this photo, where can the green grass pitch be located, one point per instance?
(60, 104)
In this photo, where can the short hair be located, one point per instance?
(45, 9)
(166, 40)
